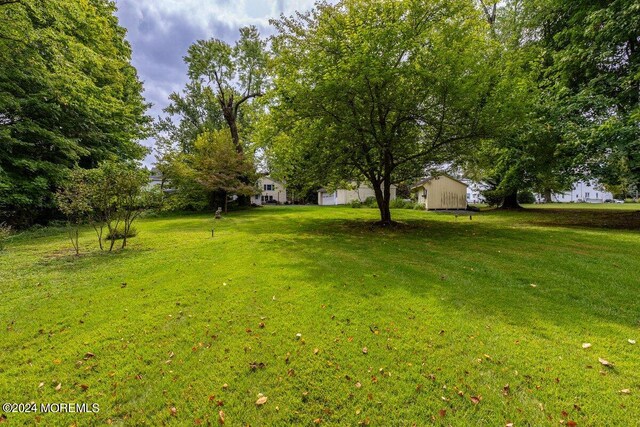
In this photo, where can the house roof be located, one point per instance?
(431, 178)
(364, 184)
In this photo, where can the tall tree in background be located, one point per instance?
(68, 95)
(593, 57)
(531, 151)
(234, 74)
(224, 81)
(377, 90)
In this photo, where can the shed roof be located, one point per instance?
(426, 180)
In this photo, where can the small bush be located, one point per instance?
(398, 204)
(419, 206)
(493, 198)
(5, 233)
(355, 204)
(405, 204)
(119, 234)
(526, 197)
(370, 202)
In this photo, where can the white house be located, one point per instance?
(441, 192)
(474, 191)
(584, 191)
(344, 196)
(271, 191)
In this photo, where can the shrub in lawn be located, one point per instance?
(398, 204)
(526, 197)
(5, 232)
(370, 202)
(119, 234)
(355, 204)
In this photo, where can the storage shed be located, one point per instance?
(344, 196)
(441, 192)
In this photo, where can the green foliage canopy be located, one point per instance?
(68, 96)
(379, 90)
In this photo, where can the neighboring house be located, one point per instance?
(155, 179)
(474, 191)
(441, 192)
(344, 196)
(271, 191)
(589, 192)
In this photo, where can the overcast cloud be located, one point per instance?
(160, 31)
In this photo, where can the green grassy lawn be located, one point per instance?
(588, 206)
(465, 323)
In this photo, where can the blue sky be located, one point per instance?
(160, 31)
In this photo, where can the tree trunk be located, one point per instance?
(382, 199)
(511, 201)
(230, 117)
(547, 195)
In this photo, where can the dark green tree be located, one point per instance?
(68, 96)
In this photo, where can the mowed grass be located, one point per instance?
(465, 322)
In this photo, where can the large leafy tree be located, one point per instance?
(532, 149)
(235, 74)
(593, 60)
(378, 90)
(68, 95)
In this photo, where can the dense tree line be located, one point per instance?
(68, 97)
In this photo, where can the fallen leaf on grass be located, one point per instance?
(89, 355)
(630, 341)
(57, 361)
(84, 387)
(221, 417)
(40, 385)
(625, 391)
(365, 350)
(225, 386)
(317, 421)
(316, 350)
(604, 362)
(358, 385)
(586, 345)
(572, 423)
(254, 365)
(506, 389)
(475, 399)
(59, 386)
(261, 400)
(173, 411)
(442, 412)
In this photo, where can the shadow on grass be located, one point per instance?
(485, 269)
(582, 218)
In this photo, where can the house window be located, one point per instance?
(586, 195)
(269, 187)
